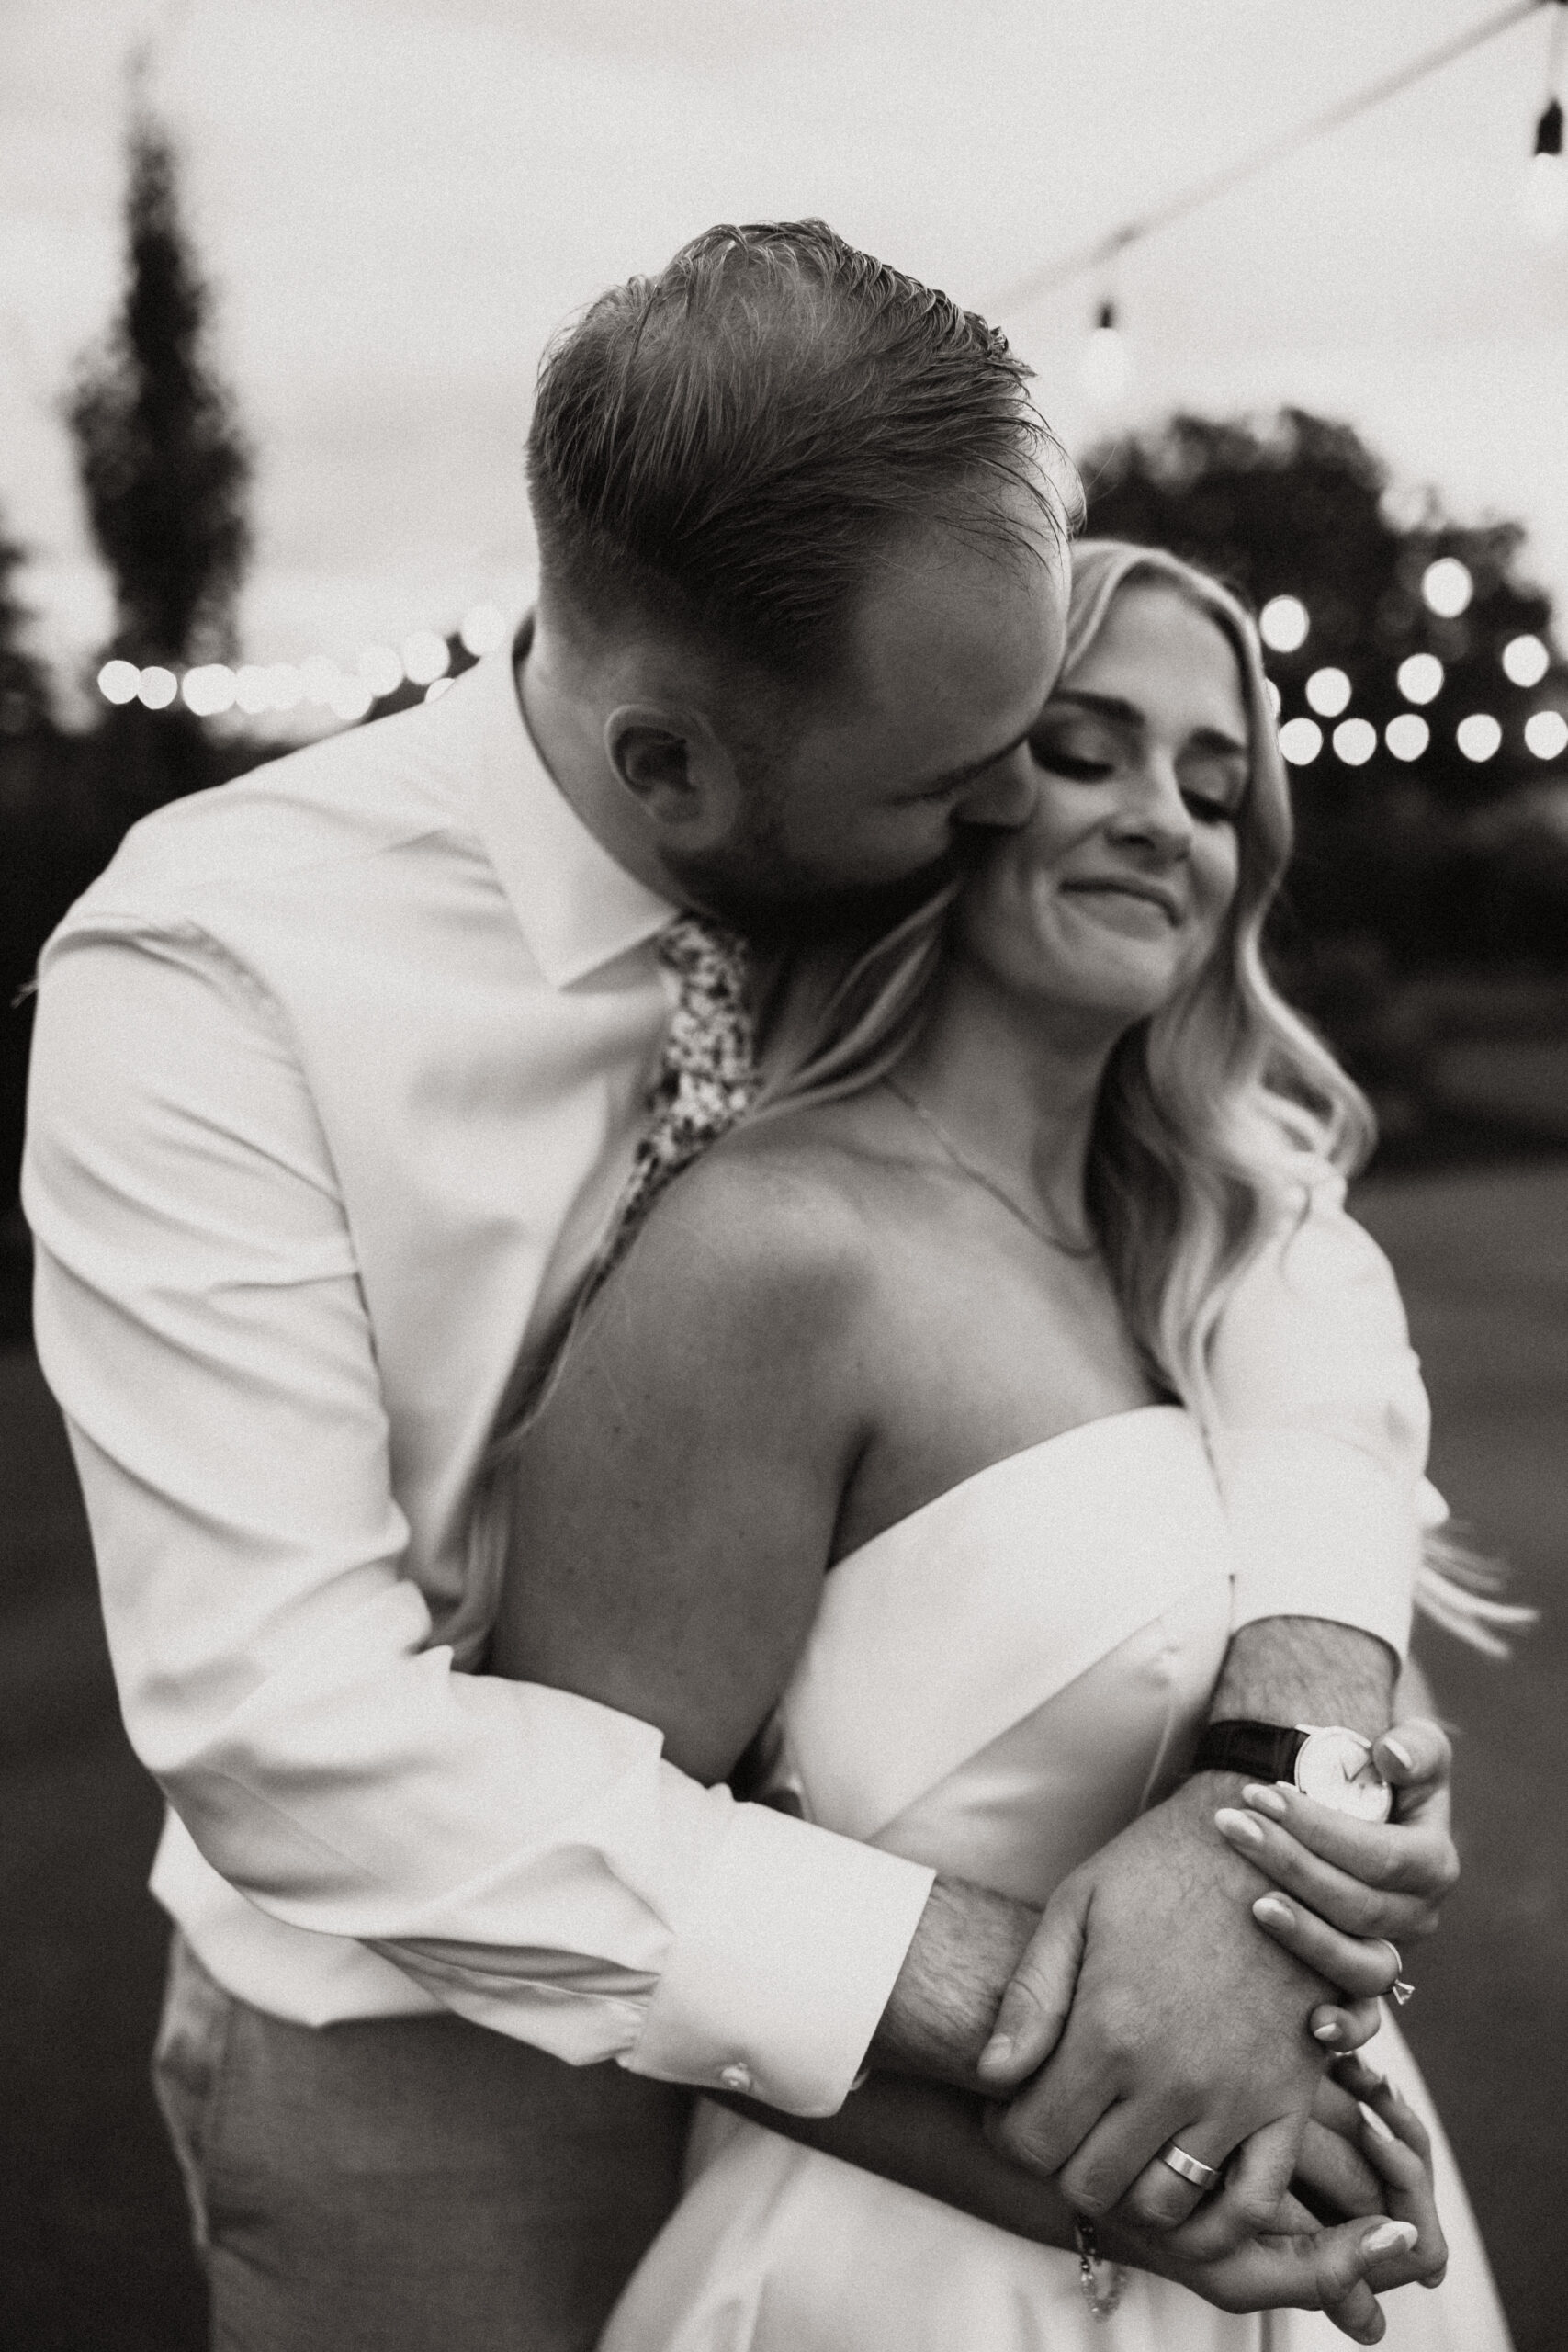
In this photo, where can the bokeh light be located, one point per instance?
(156, 687)
(1328, 691)
(425, 657)
(253, 689)
(381, 669)
(1283, 624)
(352, 697)
(1546, 734)
(1355, 741)
(1478, 736)
(1407, 736)
(209, 689)
(285, 686)
(483, 627)
(1420, 677)
(1446, 587)
(117, 680)
(1525, 661)
(318, 678)
(1300, 739)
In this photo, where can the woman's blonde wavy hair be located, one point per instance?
(1217, 1115)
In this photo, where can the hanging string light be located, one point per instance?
(1105, 368)
(210, 689)
(1543, 201)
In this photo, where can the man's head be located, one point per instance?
(803, 569)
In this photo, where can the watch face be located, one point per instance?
(1336, 1767)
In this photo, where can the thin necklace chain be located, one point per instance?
(978, 1176)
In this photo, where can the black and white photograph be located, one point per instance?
(784, 1225)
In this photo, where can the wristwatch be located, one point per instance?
(1325, 1761)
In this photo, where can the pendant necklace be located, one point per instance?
(978, 1176)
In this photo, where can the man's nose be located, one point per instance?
(1003, 796)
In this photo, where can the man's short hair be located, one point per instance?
(725, 448)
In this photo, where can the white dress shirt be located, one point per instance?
(337, 1075)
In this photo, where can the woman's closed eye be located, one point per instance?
(1214, 786)
(1078, 749)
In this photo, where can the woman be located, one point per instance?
(899, 1405)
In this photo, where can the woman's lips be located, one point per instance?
(1141, 904)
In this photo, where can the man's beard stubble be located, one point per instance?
(782, 907)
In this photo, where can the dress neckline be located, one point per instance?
(1008, 1462)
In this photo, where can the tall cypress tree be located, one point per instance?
(164, 465)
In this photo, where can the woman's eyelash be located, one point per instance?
(1069, 763)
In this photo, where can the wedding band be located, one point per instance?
(1400, 1991)
(1192, 2168)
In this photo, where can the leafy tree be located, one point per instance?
(24, 689)
(1402, 856)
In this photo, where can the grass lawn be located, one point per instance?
(95, 2258)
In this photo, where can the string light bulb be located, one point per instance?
(1543, 200)
(1105, 370)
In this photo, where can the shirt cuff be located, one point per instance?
(784, 1964)
(1320, 1530)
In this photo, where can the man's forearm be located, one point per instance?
(929, 2136)
(944, 2005)
(1304, 1669)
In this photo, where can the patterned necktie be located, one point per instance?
(707, 1079)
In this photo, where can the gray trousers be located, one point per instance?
(406, 2184)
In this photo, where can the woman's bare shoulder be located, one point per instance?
(775, 1228)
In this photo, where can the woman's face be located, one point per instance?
(1114, 893)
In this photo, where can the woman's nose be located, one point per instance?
(1153, 811)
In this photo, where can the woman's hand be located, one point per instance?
(1352, 1893)
(1395, 2143)
(1296, 2263)
(1296, 2260)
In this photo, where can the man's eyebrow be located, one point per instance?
(955, 777)
(1127, 714)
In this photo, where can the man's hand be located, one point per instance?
(1180, 2024)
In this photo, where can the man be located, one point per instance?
(338, 1076)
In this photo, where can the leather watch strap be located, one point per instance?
(1267, 1751)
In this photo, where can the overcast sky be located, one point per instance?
(398, 200)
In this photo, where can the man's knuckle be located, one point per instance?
(1093, 2194)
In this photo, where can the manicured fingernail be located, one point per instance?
(1376, 2126)
(997, 2050)
(1266, 1800)
(1325, 2033)
(1240, 1828)
(1268, 1906)
(1399, 1753)
(1439, 2279)
(1390, 2237)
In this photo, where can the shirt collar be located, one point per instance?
(578, 909)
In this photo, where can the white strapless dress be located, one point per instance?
(996, 1686)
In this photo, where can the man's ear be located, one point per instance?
(673, 766)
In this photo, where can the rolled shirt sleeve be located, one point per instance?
(1320, 1428)
(525, 1855)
